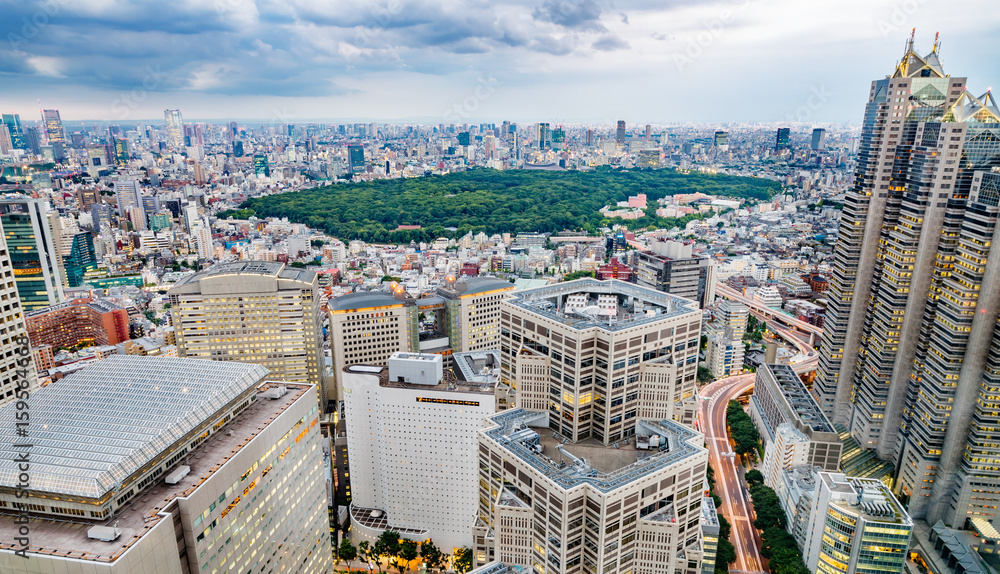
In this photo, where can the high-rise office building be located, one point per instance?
(5, 144)
(721, 139)
(53, 126)
(128, 195)
(670, 266)
(253, 312)
(356, 158)
(546, 505)
(261, 166)
(14, 343)
(910, 338)
(16, 130)
(543, 136)
(238, 148)
(855, 526)
(159, 465)
(620, 132)
(648, 134)
(598, 354)
(175, 129)
(411, 437)
(33, 140)
(819, 139)
(34, 254)
(781, 139)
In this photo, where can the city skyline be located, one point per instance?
(475, 62)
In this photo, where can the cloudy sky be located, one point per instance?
(475, 60)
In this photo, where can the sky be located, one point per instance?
(448, 61)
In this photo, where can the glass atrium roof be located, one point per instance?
(99, 425)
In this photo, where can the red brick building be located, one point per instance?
(615, 270)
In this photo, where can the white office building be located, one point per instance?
(411, 446)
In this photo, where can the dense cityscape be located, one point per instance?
(500, 348)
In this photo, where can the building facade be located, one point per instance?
(172, 466)
(559, 507)
(81, 321)
(33, 252)
(671, 267)
(17, 365)
(908, 340)
(411, 435)
(598, 354)
(253, 312)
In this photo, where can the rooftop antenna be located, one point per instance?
(937, 43)
(909, 43)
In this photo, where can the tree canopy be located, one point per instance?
(493, 202)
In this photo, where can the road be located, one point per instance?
(723, 290)
(735, 499)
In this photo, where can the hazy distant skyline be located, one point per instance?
(474, 61)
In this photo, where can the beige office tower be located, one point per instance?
(17, 365)
(597, 355)
(368, 327)
(253, 312)
(153, 465)
(910, 344)
(557, 507)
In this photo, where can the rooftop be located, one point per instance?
(635, 305)
(865, 497)
(589, 462)
(98, 426)
(263, 268)
(68, 538)
(800, 399)
(474, 286)
(364, 300)
(477, 366)
(447, 384)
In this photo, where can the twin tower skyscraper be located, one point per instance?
(910, 354)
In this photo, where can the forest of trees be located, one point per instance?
(491, 201)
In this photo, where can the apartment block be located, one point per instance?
(559, 507)
(597, 355)
(780, 397)
(411, 439)
(170, 466)
(80, 321)
(253, 312)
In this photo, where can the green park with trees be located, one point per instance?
(493, 201)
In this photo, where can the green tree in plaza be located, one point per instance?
(432, 556)
(346, 551)
(462, 560)
(407, 553)
(386, 547)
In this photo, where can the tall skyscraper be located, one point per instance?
(33, 251)
(671, 266)
(14, 343)
(261, 166)
(620, 133)
(156, 465)
(53, 126)
(175, 129)
(819, 139)
(910, 341)
(721, 139)
(543, 137)
(253, 312)
(5, 144)
(356, 158)
(16, 131)
(781, 139)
